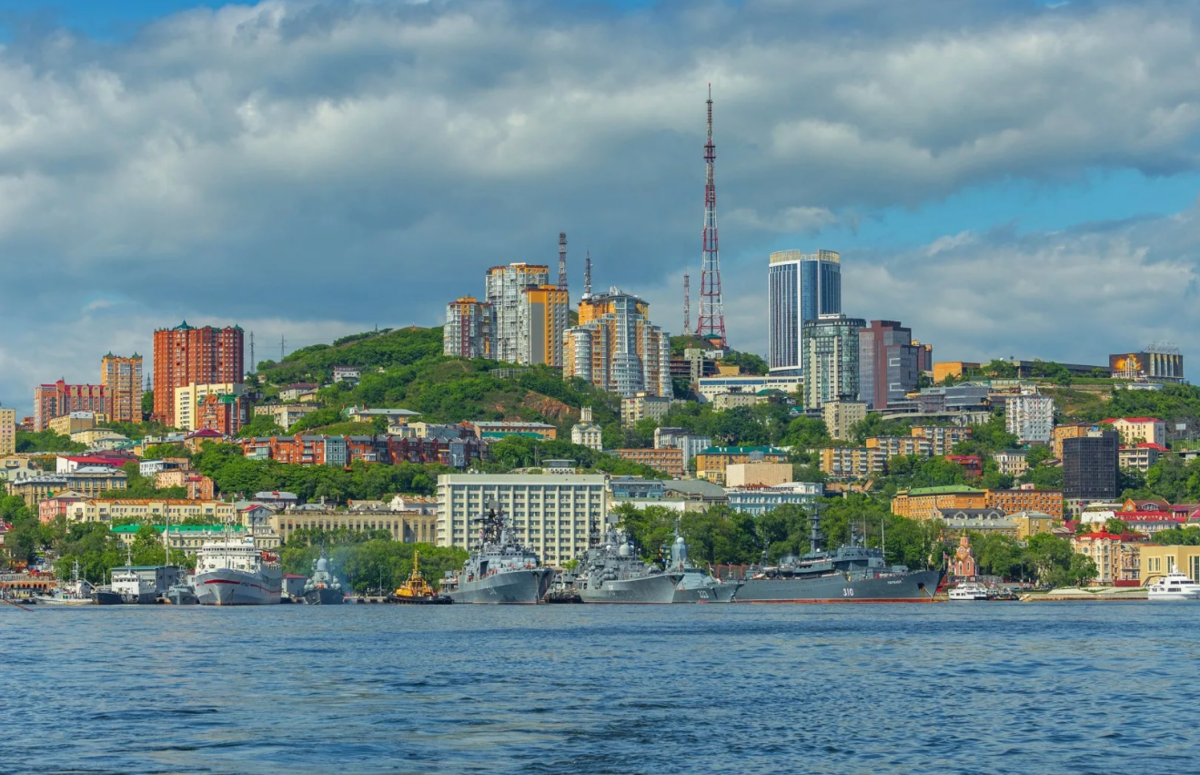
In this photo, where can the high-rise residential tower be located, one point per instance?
(503, 287)
(122, 381)
(59, 398)
(184, 355)
(468, 329)
(800, 287)
(8, 431)
(617, 348)
(542, 318)
(888, 363)
(830, 359)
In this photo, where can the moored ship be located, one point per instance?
(234, 572)
(416, 590)
(697, 584)
(611, 572)
(500, 570)
(850, 574)
(323, 588)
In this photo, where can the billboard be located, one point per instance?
(1160, 366)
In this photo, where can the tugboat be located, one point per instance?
(500, 570)
(697, 584)
(851, 574)
(323, 588)
(611, 572)
(416, 590)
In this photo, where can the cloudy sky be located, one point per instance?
(1008, 178)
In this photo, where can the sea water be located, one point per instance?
(950, 688)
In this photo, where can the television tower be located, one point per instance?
(687, 302)
(562, 260)
(587, 275)
(711, 323)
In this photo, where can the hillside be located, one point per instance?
(406, 368)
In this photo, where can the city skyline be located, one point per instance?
(966, 228)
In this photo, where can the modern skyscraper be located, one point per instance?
(830, 359)
(184, 355)
(801, 287)
(542, 318)
(468, 330)
(502, 289)
(1090, 468)
(888, 363)
(122, 381)
(59, 398)
(617, 348)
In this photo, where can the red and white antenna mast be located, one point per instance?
(562, 260)
(711, 323)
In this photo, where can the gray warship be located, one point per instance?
(849, 574)
(499, 571)
(612, 572)
(323, 588)
(697, 584)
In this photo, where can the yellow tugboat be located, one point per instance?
(416, 590)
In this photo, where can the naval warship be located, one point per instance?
(611, 572)
(499, 569)
(849, 574)
(697, 584)
(323, 588)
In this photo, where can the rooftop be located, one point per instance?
(948, 489)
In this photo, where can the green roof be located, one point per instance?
(948, 489)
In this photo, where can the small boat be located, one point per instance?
(78, 592)
(969, 591)
(416, 590)
(182, 594)
(1174, 586)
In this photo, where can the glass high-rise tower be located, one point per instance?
(801, 287)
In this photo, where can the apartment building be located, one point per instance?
(669, 461)
(144, 509)
(712, 462)
(121, 378)
(185, 355)
(188, 399)
(58, 398)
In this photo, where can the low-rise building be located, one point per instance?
(302, 392)
(89, 481)
(1031, 523)
(586, 433)
(73, 422)
(53, 508)
(199, 487)
(348, 374)
(941, 438)
(409, 527)
(959, 522)
(393, 416)
(760, 500)
(150, 509)
(762, 474)
(96, 439)
(501, 428)
(972, 464)
(189, 538)
(738, 399)
(669, 461)
(1140, 456)
(642, 406)
(1026, 498)
(284, 415)
(1138, 430)
(1157, 561)
(1012, 462)
(712, 462)
(711, 387)
(683, 439)
(841, 417)
(225, 414)
(928, 502)
(1117, 555)
(626, 487)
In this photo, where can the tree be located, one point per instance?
(147, 403)
(1050, 557)
(261, 425)
(1116, 525)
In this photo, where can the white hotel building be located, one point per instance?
(552, 514)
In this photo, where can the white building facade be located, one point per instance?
(1030, 418)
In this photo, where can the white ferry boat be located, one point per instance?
(1174, 586)
(969, 591)
(234, 572)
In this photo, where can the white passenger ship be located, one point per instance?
(234, 572)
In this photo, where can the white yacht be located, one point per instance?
(1174, 586)
(233, 572)
(969, 591)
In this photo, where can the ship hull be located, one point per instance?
(918, 587)
(515, 587)
(715, 593)
(182, 595)
(656, 590)
(324, 596)
(234, 587)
